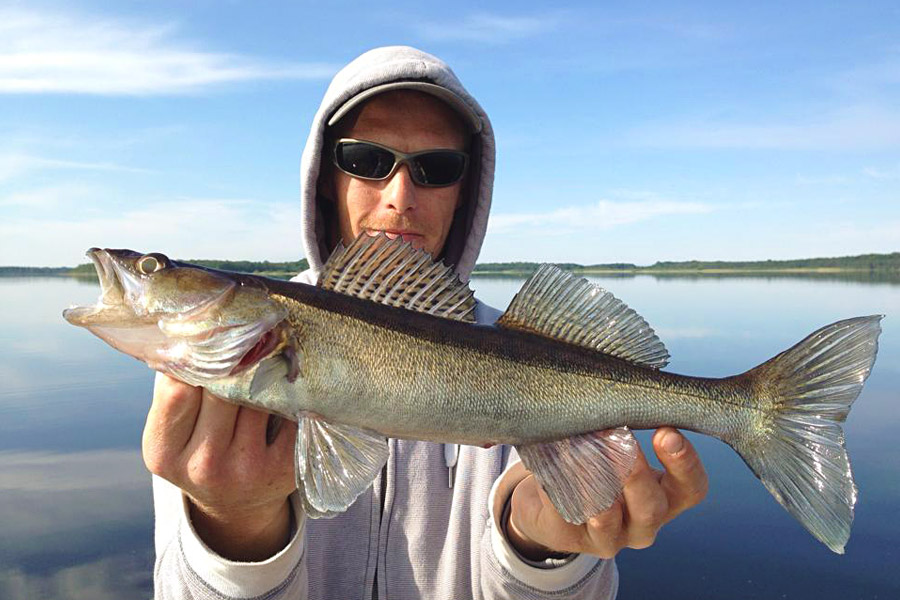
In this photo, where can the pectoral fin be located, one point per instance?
(335, 464)
(583, 475)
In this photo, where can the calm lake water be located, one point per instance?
(76, 510)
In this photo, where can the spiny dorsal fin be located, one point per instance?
(557, 304)
(392, 272)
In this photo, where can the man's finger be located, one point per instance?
(685, 481)
(645, 505)
(605, 532)
(250, 429)
(215, 423)
(170, 420)
(282, 450)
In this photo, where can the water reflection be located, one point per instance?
(75, 502)
(71, 522)
(109, 578)
(861, 277)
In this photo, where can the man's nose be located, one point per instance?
(400, 190)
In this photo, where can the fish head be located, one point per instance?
(193, 323)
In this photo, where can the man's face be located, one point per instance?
(409, 122)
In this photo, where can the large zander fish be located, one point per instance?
(386, 346)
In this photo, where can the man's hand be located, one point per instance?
(649, 500)
(217, 453)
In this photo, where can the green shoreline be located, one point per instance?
(884, 267)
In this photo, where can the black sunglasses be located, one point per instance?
(429, 168)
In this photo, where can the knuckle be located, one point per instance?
(156, 463)
(696, 486)
(700, 492)
(168, 390)
(649, 509)
(180, 392)
(643, 542)
(204, 469)
(604, 545)
(607, 524)
(651, 514)
(156, 456)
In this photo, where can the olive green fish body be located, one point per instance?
(421, 377)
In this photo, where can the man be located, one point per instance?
(229, 524)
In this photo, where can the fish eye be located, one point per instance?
(151, 263)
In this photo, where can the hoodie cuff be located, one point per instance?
(242, 579)
(547, 577)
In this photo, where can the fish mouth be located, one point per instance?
(111, 289)
(112, 294)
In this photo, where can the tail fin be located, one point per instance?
(799, 453)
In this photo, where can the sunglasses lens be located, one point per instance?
(438, 168)
(432, 168)
(363, 160)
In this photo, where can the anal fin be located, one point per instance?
(584, 474)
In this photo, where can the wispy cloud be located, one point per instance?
(488, 28)
(41, 198)
(14, 165)
(183, 228)
(42, 52)
(851, 128)
(822, 239)
(872, 78)
(878, 173)
(677, 25)
(39, 138)
(604, 214)
(822, 180)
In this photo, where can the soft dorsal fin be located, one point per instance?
(392, 272)
(560, 305)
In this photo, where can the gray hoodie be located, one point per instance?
(413, 534)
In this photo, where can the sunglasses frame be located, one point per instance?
(399, 159)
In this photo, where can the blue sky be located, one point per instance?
(629, 132)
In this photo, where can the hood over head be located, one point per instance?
(378, 71)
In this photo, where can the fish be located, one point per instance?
(386, 345)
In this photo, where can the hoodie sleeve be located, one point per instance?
(187, 569)
(505, 574)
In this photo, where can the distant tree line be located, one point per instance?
(31, 271)
(871, 262)
(866, 262)
(274, 269)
